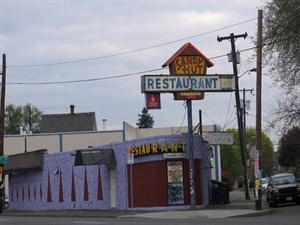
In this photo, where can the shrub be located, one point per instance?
(227, 177)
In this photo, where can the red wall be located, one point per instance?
(149, 184)
(150, 187)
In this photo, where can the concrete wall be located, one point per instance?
(59, 142)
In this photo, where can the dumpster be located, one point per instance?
(219, 192)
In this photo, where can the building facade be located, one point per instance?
(107, 177)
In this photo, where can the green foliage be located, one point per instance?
(289, 148)
(29, 117)
(145, 120)
(267, 151)
(231, 160)
(282, 57)
(231, 156)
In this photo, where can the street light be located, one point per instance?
(248, 71)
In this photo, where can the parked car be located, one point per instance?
(282, 188)
(264, 184)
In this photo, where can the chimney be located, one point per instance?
(72, 110)
(104, 123)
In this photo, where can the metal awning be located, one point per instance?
(25, 161)
(95, 157)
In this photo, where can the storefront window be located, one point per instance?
(175, 183)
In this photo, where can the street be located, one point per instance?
(284, 214)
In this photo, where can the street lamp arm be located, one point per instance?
(251, 70)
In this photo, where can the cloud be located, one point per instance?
(123, 37)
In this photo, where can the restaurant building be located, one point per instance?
(149, 173)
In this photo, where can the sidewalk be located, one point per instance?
(237, 207)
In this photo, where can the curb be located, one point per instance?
(254, 214)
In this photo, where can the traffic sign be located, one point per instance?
(3, 160)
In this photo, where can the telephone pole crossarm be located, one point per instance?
(219, 39)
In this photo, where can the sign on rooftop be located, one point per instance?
(219, 138)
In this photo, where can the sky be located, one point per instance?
(92, 54)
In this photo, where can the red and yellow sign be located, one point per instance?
(188, 60)
(190, 65)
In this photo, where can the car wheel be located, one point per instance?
(274, 202)
(270, 204)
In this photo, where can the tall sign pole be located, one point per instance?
(188, 61)
(232, 38)
(191, 153)
(187, 81)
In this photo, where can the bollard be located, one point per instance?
(258, 195)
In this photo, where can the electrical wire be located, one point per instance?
(183, 119)
(88, 80)
(226, 119)
(132, 51)
(209, 117)
(129, 74)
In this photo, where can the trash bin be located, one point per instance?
(219, 192)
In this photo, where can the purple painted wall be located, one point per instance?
(63, 186)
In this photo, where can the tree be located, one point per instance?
(282, 56)
(289, 148)
(28, 117)
(231, 158)
(145, 120)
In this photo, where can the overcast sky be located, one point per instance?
(115, 43)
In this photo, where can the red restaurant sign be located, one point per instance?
(153, 100)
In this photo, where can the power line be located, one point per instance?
(87, 80)
(132, 74)
(135, 73)
(131, 51)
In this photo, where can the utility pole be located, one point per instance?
(244, 108)
(29, 119)
(232, 38)
(2, 113)
(258, 108)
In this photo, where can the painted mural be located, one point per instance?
(63, 186)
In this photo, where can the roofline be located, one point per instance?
(189, 44)
(58, 133)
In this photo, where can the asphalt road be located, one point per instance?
(284, 214)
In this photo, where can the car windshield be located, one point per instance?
(264, 181)
(288, 179)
